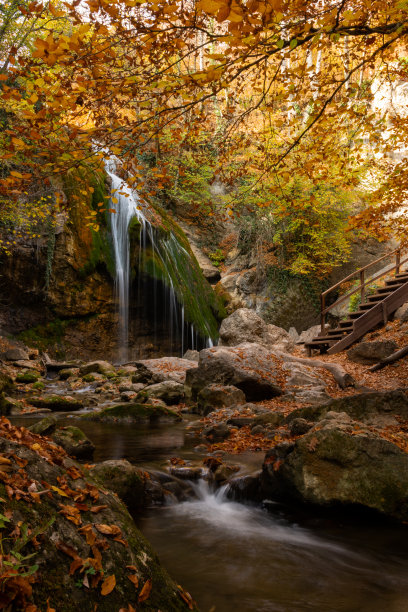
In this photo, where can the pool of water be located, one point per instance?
(238, 558)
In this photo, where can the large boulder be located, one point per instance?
(304, 385)
(152, 371)
(16, 354)
(170, 391)
(244, 325)
(340, 462)
(88, 552)
(133, 413)
(376, 409)
(103, 367)
(215, 396)
(402, 313)
(371, 352)
(250, 367)
(64, 403)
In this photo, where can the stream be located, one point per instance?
(238, 558)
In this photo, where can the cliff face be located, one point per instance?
(58, 291)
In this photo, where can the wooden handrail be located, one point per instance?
(361, 287)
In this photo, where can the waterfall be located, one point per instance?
(167, 254)
(126, 208)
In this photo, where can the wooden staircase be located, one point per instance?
(374, 309)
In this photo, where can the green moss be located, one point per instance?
(38, 386)
(174, 263)
(28, 377)
(132, 412)
(56, 402)
(43, 336)
(88, 378)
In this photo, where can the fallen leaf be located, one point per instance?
(67, 550)
(133, 578)
(145, 592)
(108, 585)
(108, 529)
(96, 509)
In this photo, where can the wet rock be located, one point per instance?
(151, 371)
(169, 391)
(244, 325)
(54, 582)
(74, 441)
(68, 372)
(27, 377)
(215, 396)
(186, 472)
(57, 402)
(102, 367)
(45, 427)
(224, 473)
(299, 427)
(133, 413)
(340, 463)
(216, 433)
(250, 367)
(126, 480)
(371, 352)
(191, 355)
(245, 488)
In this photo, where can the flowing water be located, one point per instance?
(239, 558)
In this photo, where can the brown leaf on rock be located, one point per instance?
(112, 530)
(146, 590)
(108, 585)
(67, 550)
(133, 578)
(96, 509)
(313, 444)
(71, 513)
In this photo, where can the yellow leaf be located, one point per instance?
(145, 592)
(59, 491)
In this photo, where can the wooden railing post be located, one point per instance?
(362, 279)
(397, 261)
(322, 313)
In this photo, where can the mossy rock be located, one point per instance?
(74, 441)
(45, 427)
(56, 402)
(38, 386)
(133, 413)
(126, 480)
(28, 377)
(88, 378)
(67, 373)
(54, 582)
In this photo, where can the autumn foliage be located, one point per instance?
(284, 88)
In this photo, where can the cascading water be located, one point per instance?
(125, 209)
(168, 257)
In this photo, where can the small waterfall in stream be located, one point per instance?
(166, 251)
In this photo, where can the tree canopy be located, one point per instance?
(284, 88)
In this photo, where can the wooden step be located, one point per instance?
(378, 297)
(388, 289)
(324, 339)
(346, 323)
(357, 314)
(397, 281)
